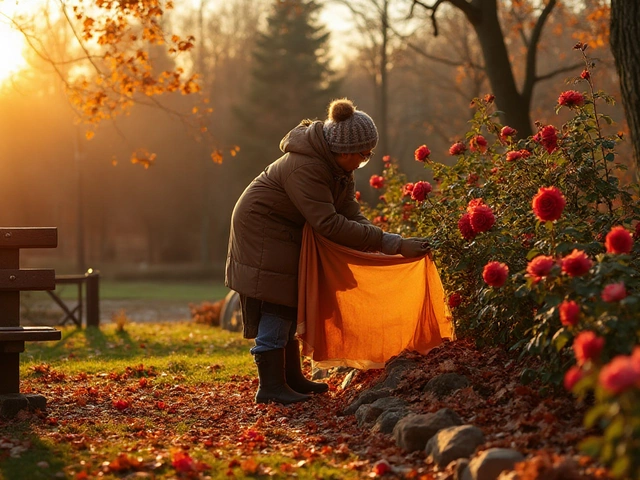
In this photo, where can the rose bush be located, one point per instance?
(552, 210)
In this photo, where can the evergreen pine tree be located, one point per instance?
(290, 81)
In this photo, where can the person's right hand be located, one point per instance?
(414, 247)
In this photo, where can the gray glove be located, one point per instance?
(414, 247)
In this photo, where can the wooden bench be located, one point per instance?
(13, 280)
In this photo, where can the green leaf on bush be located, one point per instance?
(561, 338)
(615, 429)
(620, 467)
(592, 446)
(594, 414)
(533, 253)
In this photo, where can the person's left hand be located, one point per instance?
(414, 247)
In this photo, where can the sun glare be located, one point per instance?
(11, 48)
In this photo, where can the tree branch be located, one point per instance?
(557, 71)
(435, 58)
(433, 8)
(472, 12)
(80, 42)
(532, 51)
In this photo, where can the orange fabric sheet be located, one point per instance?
(360, 309)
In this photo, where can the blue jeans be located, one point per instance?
(273, 332)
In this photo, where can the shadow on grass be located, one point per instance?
(38, 461)
(94, 343)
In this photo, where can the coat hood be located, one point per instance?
(307, 139)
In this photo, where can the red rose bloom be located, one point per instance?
(548, 204)
(576, 264)
(571, 98)
(407, 188)
(620, 374)
(380, 219)
(525, 153)
(358, 195)
(489, 98)
(569, 313)
(422, 153)
(495, 274)
(573, 376)
(478, 144)
(540, 267)
(585, 75)
(513, 155)
(420, 191)
(507, 132)
(457, 148)
(376, 181)
(455, 299)
(618, 240)
(386, 158)
(482, 218)
(464, 225)
(472, 179)
(587, 346)
(614, 292)
(548, 137)
(473, 204)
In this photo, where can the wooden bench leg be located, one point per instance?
(10, 372)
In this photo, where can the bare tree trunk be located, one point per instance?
(625, 38)
(515, 106)
(207, 184)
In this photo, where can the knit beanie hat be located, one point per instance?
(348, 130)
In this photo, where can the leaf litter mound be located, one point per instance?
(165, 428)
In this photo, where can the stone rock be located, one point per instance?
(445, 384)
(489, 464)
(460, 466)
(452, 443)
(370, 412)
(395, 369)
(386, 422)
(12, 403)
(414, 431)
(36, 402)
(366, 397)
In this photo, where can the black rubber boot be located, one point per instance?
(273, 387)
(293, 371)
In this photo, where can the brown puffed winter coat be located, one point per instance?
(304, 185)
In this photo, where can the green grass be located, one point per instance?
(183, 348)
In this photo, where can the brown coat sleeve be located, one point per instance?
(308, 187)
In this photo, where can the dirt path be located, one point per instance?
(47, 312)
